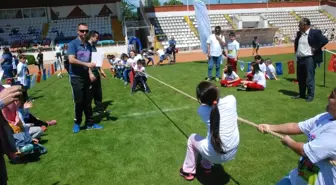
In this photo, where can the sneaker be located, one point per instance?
(187, 176)
(217, 79)
(94, 126)
(148, 91)
(76, 128)
(209, 79)
(125, 83)
(52, 122)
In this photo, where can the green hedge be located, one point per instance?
(31, 59)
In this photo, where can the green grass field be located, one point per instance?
(144, 142)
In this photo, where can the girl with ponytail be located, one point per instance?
(221, 142)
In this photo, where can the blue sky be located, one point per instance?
(136, 2)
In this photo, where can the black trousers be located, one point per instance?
(82, 99)
(3, 171)
(40, 66)
(142, 80)
(66, 65)
(35, 121)
(97, 94)
(306, 76)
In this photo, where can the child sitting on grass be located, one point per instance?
(229, 77)
(258, 82)
(260, 61)
(27, 118)
(270, 71)
(222, 140)
(140, 76)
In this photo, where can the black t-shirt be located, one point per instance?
(40, 57)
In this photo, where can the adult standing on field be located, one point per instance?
(314, 167)
(7, 96)
(308, 49)
(215, 43)
(94, 74)
(79, 52)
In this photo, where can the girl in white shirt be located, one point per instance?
(229, 77)
(222, 140)
(260, 61)
(270, 71)
(258, 82)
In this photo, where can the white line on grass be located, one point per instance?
(151, 113)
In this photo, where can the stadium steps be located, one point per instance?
(296, 16)
(228, 18)
(45, 29)
(328, 15)
(117, 30)
(191, 25)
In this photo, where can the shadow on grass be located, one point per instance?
(58, 183)
(200, 62)
(182, 132)
(288, 93)
(29, 158)
(291, 79)
(44, 141)
(35, 97)
(218, 176)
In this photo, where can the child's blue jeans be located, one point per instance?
(126, 74)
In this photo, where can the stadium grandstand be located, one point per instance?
(35, 24)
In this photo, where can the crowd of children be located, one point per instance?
(255, 79)
(27, 130)
(131, 69)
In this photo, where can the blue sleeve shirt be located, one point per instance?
(82, 52)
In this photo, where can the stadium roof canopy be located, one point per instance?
(8, 4)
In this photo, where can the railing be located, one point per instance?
(228, 18)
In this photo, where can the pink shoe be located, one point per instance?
(187, 176)
(52, 122)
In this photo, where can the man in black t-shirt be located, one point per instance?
(40, 60)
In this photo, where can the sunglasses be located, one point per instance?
(84, 31)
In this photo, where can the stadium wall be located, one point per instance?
(90, 10)
(50, 55)
(164, 11)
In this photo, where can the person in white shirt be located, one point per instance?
(215, 43)
(260, 61)
(58, 50)
(308, 48)
(222, 140)
(229, 77)
(161, 54)
(270, 71)
(140, 76)
(22, 72)
(258, 82)
(233, 51)
(314, 167)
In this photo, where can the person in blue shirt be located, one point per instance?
(172, 45)
(79, 53)
(7, 63)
